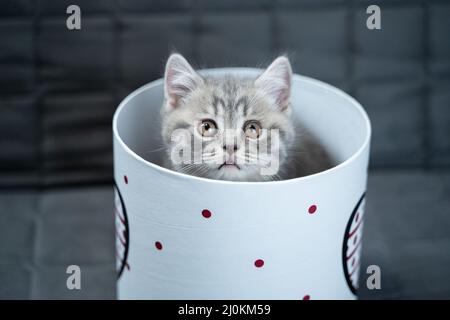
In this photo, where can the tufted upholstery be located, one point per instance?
(59, 88)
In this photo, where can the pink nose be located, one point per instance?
(230, 148)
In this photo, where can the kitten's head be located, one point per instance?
(227, 127)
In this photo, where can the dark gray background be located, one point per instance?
(59, 89)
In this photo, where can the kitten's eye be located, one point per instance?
(252, 129)
(207, 128)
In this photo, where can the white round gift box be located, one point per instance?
(185, 237)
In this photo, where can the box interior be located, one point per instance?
(330, 115)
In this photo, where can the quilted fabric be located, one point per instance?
(59, 88)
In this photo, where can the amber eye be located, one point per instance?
(207, 128)
(252, 129)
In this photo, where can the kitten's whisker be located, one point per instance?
(257, 160)
(156, 149)
(212, 160)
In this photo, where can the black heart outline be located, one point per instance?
(127, 235)
(345, 247)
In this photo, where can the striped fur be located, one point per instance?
(230, 101)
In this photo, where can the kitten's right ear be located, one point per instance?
(276, 82)
(179, 79)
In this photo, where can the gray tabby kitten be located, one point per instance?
(231, 127)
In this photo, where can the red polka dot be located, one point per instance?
(259, 263)
(206, 213)
(158, 245)
(125, 178)
(307, 297)
(312, 209)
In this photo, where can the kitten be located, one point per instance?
(234, 128)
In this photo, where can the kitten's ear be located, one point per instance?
(179, 79)
(276, 82)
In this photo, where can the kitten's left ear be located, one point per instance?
(276, 82)
(179, 79)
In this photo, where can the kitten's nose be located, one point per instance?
(230, 148)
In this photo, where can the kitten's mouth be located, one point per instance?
(229, 166)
